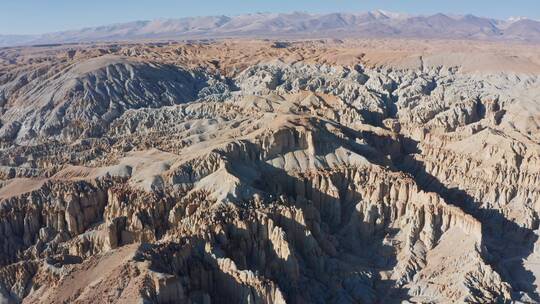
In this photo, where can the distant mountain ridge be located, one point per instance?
(372, 24)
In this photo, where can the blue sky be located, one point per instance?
(39, 16)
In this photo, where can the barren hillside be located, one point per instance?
(249, 171)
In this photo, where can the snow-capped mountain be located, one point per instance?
(298, 25)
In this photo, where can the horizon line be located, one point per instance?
(382, 11)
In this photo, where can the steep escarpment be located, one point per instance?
(287, 181)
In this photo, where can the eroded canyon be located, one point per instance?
(375, 171)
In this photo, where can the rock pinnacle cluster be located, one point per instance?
(264, 171)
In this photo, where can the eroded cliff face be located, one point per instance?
(281, 182)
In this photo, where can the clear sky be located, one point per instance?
(39, 16)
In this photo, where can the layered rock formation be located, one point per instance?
(144, 173)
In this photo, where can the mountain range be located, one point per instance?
(374, 24)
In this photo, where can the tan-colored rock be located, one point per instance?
(323, 171)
